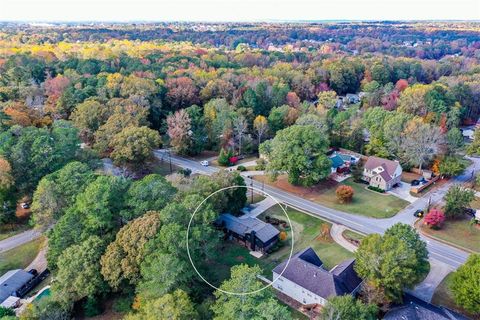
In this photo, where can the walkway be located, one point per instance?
(259, 208)
(336, 232)
(426, 289)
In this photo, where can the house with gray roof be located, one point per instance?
(382, 173)
(304, 279)
(252, 232)
(416, 309)
(12, 282)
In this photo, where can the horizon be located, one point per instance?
(237, 10)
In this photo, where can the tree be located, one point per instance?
(474, 147)
(78, 274)
(348, 308)
(412, 100)
(152, 193)
(465, 285)
(224, 157)
(181, 93)
(173, 306)
(88, 117)
(6, 312)
(301, 152)
(6, 178)
(451, 166)
(344, 76)
(121, 262)
(240, 127)
(259, 305)
(434, 218)
(344, 193)
(386, 263)
(134, 146)
(454, 139)
(179, 131)
(327, 99)
(421, 142)
(57, 191)
(457, 199)
(260, 124)
(408, 234)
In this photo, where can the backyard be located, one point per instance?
(21, 256)
(365, 202)
(307, 232)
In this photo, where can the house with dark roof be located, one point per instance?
(382, 173)
(12, 283)
(304, 279)
(416, 309)
(249, 231)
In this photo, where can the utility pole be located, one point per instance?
(251, 189)
(170, 157)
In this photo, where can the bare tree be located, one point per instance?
(240, 127)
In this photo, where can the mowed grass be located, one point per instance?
(365, 202)
(21, 256)
(459, 232)
(352, 235)
(443, 296)
(307, 231)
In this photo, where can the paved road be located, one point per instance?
(19, 239)
(440, 251)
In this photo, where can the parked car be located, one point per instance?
(418, 213)
(415, 182)
(470, 211)
(204, 163)
(25, 205)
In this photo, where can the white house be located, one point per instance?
(382, 173)
(305, 280)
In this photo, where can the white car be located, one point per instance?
(204, 163)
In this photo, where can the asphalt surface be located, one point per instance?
(442, 252)
(19, 239)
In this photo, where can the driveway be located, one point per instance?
(19, 239)
(426, 289)
(402, 191)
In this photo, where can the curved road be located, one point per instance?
(19, 239)
(440, 251)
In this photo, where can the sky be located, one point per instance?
(237, 10)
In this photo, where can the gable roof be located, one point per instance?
(374, 162)
(12, 281)
(305, 269)
(244, 225)
(416, 309)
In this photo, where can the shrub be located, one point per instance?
(186, 172)
(233, 160)
(91, 307)
(261, 164)
(434, 219)
(223, 157)
(344, 193)
(377, 189)
(241, 168)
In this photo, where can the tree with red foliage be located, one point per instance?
(344, 193)
(181, 93)
(401, 85)
(292, 99)
(435, 218)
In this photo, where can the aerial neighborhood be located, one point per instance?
(237, 170)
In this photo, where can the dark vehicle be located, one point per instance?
(415, 182)
(471, 212)
(33, 271)
(418, 213)
(423, 180)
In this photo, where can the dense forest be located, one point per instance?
(71, 95)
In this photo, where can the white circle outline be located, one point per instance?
(291, 248)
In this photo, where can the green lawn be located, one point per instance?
(163, 167)
(20, 257)
(352, 235)
(307, 230)
(444, 297)
(459, 232)
(365, 202)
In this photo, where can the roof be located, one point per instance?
(389, 165)
(245, 225)
(305, 270)
(337, 161)
(416, 309)
(12, 281)
(10, 302)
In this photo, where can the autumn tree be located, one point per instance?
(327, 100)
(88, 117)
(344, 193)
(6, 178)
(260, 124)
(181, 92)
(434, 218)
(300, 151)
(134, 146)
(121, 261)
(180, 132)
